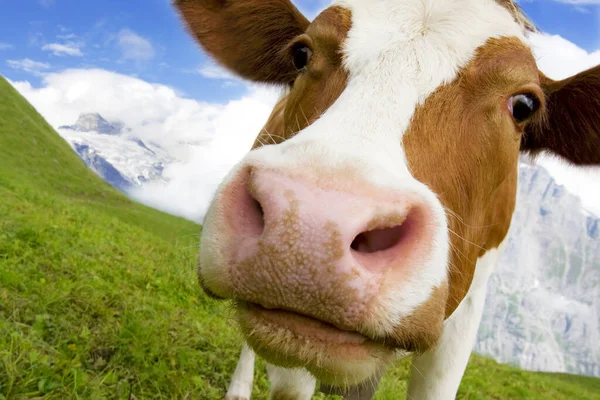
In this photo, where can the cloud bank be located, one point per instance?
(206, 138)
(28, 65)
(210, 138)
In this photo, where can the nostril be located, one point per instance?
(258, 208)
(378, 239)
(244, 207)
(393, 240)
(260, 214)
(254, 223)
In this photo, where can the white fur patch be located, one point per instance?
(436, 375)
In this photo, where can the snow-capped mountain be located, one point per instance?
(542, 310)
(93, 122)
(114, 153)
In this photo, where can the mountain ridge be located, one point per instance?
(94, 122)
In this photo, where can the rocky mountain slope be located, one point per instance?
(543, 306)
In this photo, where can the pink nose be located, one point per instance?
(300, 241)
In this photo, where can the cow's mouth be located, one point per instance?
(306, 327)
(290, 339)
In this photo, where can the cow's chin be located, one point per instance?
(291, 340)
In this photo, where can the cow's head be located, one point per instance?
(392, 168)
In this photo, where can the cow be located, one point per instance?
(363, 225)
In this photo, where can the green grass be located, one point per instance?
(99, 299)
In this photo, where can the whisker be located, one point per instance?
(466, 240)
(304, 115)
(272, 136)
(451, 213)
(260, 141)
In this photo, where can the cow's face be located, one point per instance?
(392, 169)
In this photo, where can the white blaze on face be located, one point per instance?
(397, 53)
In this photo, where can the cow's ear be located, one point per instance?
(248, 37)
(570, 127)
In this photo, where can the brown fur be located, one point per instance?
(315, 89)
(322, 83)
(571, 128)
(420, 331)
(246, 36)
(274, 131)
(472, 163)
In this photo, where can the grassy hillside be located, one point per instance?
(98, 294)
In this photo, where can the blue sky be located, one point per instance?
(574, 20)
(144, 38)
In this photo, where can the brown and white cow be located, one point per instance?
(368, 229)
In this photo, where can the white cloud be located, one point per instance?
(35, 39)
(46, 3)
(64, 49)
(28, 65)
(559, 58)
(134, 47)
(5, 46)
(193, 184)
(211, 70)
(207, 138)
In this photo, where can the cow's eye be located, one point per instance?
(523, 106)
(301, 54)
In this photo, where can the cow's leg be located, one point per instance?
(241, 381)
(290, 384)
(436, 375)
